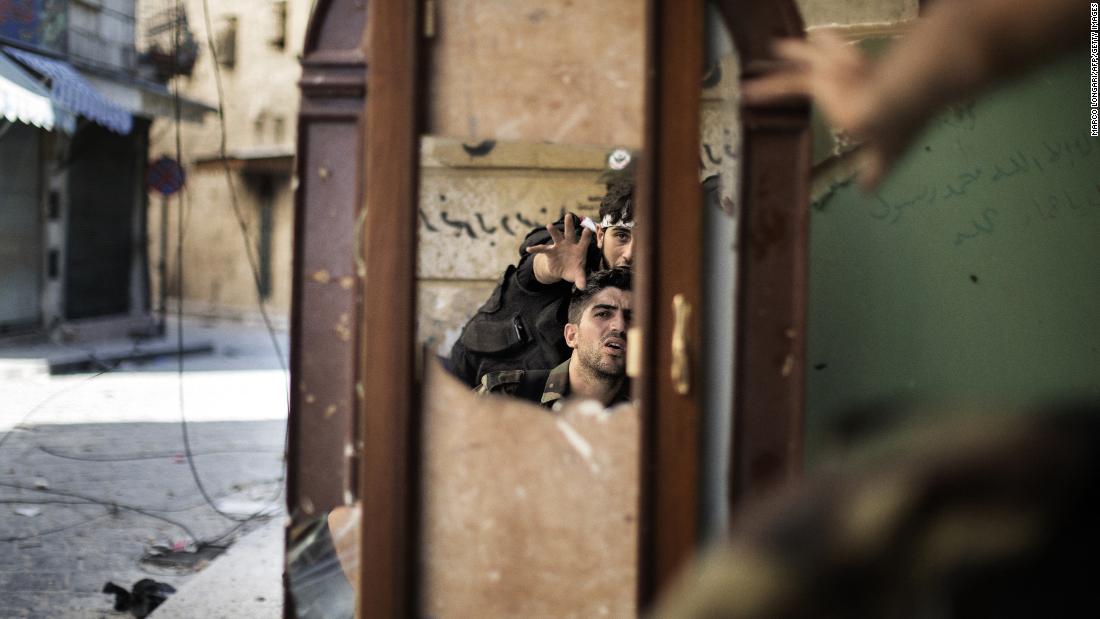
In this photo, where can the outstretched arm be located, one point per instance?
(959, 49)
(564, 257)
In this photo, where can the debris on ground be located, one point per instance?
(146, 595)
(188, 556)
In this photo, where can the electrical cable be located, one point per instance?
(105, 502)
(37, 534)
(115, 504)
(152, 455)
(43, 402)
(243, 227)
(11, 501)
(112, 507)
(179, 277)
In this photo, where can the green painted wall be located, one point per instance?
(974, 271)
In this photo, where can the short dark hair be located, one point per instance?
(618, 201)
(618, 277)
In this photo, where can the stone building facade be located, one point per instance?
(257, 44)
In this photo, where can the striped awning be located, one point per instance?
(22, 98)
(69, 89)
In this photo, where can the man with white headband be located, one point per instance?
(520, 326)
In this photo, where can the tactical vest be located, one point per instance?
(517, 328)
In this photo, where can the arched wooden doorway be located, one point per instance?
(327, 203)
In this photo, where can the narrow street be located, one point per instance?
(96, 483)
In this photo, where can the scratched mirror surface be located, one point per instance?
(970, 272)
(534, 115)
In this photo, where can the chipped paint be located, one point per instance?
(578, 443)
(343, 328)
(360, 263)
(322, 276)
(592, 408)
(788, 366)
(330, 410)
(346, 282)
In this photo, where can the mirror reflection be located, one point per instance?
(530, 470)
(555, 323)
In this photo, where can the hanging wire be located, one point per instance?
(243, 228)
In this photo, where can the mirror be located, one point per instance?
(534, 109)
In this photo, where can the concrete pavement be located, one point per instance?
(95, 475)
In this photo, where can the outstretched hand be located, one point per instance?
(846, 87)
(564, 257)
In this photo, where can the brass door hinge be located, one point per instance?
(429, 19)
(680, 372)
(634, 352)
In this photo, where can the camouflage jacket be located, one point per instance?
(545, 387)
(983, 514)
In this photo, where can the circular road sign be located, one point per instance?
(165, 175)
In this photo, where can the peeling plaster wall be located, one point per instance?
(539, 70)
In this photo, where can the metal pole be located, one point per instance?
(162, 288)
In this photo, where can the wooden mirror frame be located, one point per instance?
(382, 422)
(773, 246)
(773, 240)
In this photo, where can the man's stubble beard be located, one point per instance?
(593, 365)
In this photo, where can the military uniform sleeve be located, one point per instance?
(525, 268)
(505, 382)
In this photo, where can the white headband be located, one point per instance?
(608, 222)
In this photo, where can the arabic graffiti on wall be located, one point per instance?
(471, 224)
(480, 225)
(1032, 162)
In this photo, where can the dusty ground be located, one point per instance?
(94, 473)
